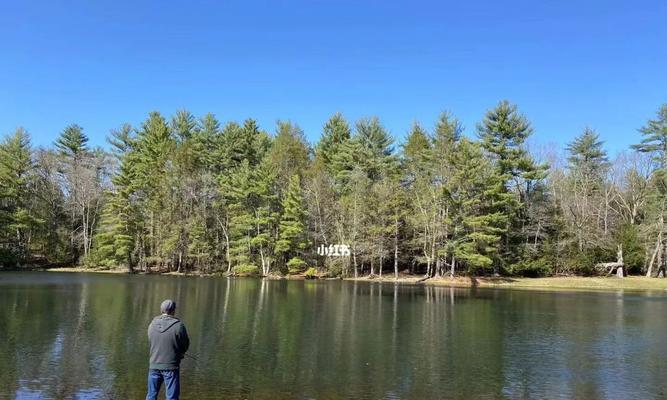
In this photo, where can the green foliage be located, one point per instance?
(292, 239)
(289, 154)
(246, 270)
(18, 217)
(503, 133)
(654, 139)
(587, 155)
(195, 194)
(532, 268)
(336, 266)
(477, 197)
(417, 150)
(634, 252)
(311, 273)
(296, 265)
(335, 133)
(72, 141)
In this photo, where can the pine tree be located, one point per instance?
(655, 143)
(289, 154)
(72, 142)
(418, 152)
(83, 172)
(655, 138)
(239, 143)
(448, 131)
(503, 132)
(336, 131)
(199, 248)
(376, 147)
(236, 186)
(477, 192)
(264, 203)
(16, 194)
(210, 137)
(587, 164)
(292, 240)
(587, 156)
(121, 140)
(446, 139)
(154, 159)
(418, 156)
(115, 239)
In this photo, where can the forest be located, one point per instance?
(199, 195)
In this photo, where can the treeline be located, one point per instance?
(189, 194)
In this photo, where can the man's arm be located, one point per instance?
(183, 339)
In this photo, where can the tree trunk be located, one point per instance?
(649, 270)
(396, 253)
(661, 265)
(354, 260)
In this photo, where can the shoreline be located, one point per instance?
(639, 283)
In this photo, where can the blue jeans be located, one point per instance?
(172, 383)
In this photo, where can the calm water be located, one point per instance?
(83, 336)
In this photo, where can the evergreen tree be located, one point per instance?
(418, 152)
(210, 137)
(72, 142)
(448, 130)
(503, 132)
(17, 190)
(121, 140)
(190, 195)
(83, 172)
(587, 155)
(655, 138)
(289, 154)
(477, 193)
(417, 162)
(336, 131)
(250, 201)
(235, 187)
(588, 164)
(116, 238)
(151, 188)
(376, 147)
(292, 240)
(265, 205)
(655, 143)
(239, 143)
(199, 248)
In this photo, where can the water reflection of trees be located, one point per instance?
(278, 339)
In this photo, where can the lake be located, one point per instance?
(83, 336)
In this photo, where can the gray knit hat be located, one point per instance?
(167, 306)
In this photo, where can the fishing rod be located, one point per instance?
(191, 356)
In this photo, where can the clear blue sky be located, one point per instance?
(567, 64)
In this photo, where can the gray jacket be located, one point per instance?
(169, 341)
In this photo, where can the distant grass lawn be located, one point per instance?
(559, 283)
(570, 282)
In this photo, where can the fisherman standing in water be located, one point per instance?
(169, 341)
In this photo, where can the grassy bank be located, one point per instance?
(567, 282)
(94, 270)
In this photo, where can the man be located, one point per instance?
(169, 341)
